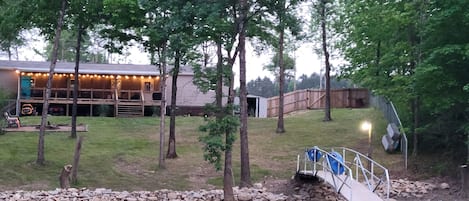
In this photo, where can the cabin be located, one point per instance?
(103, 89)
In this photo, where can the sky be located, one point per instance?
(307, 62)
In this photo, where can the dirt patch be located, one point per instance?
(27, 187)
(134, 169)
(49, 128)
(199, 176)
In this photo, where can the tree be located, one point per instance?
(323, 9)
(306, 82)
(58, 29)
(14, 18)
(86, 14)
(285, 19)
(379, 36)
(181, 42)
(158, 33)
(262, 87)
(162, 67)
(89, 52)
(245, 167)
(441, 79)
(220, 29)
(288, 62)
(414, 53)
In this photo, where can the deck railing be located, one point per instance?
(87, 94)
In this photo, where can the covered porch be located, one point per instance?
(120, 89)
(119, 94)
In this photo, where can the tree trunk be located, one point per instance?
(280, 124)
(73, 133)
(172, 123)
(227, 170)
(161, 161)
(9, 50)
(464, 181)
(64, 178)
(327, 109)
(17, 54)
(76, 160)
(40, 147)
(245, 169)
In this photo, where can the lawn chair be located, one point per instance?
(12, 121)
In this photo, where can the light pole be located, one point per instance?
(366, 126)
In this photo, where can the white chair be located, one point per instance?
(12, 121)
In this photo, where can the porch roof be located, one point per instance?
(88, 68)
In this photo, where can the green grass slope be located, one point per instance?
(122, 153)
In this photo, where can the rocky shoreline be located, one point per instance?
(279, 190)
(257, 192)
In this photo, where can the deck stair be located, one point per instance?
(345, 170)
(131, 110)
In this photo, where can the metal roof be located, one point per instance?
(88, 68)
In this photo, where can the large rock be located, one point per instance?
(243, 196)
(444, 186)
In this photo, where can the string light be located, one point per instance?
(71, 75)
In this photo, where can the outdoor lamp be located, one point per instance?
(366, 126)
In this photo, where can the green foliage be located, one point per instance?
(416, 54)
(219, 137)
(288, 62)
(204, 78)
(265, 87)
(123, 19)
(14, 18)
(44, 16)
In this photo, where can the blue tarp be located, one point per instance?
(336, 166)
(314, 154)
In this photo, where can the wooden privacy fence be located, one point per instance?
(316, 99)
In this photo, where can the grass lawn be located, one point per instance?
(122, 153)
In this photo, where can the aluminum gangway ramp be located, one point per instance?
(345, 170)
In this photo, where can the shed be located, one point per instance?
(257, 106)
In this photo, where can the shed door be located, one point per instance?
(26, 87)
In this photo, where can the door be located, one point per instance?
(148, 88)
(25, 87)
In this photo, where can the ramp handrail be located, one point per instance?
(338, 182)
(368, 175)
(351, 160)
